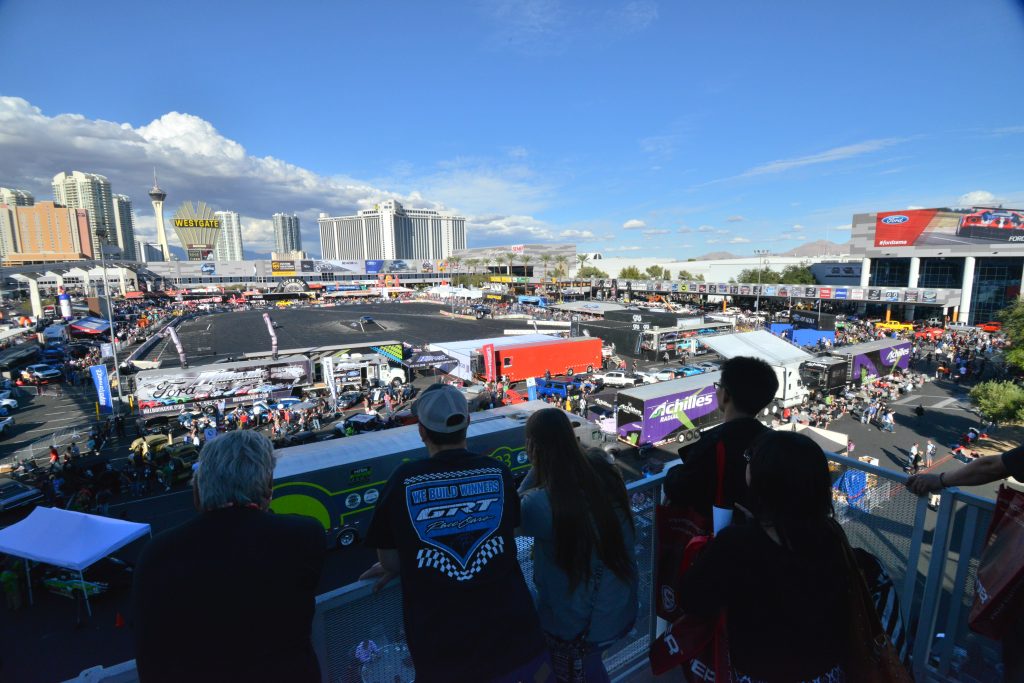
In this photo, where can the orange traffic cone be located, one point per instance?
(118, 621)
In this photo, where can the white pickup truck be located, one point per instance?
(617, 378)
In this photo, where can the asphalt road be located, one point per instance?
(232, 334)
(53, 641)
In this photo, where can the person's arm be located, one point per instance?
(980, 471)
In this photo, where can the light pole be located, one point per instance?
(110, 319)
(762, 260)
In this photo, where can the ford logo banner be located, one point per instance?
(895, 220)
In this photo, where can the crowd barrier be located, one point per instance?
(932, 557)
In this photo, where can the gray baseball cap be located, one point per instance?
(442, 408)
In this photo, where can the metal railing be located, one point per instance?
(932, 558)
(352, 614)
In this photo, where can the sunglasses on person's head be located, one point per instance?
(746, 454)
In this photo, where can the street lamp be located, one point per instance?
(104, 241)
(762, 262)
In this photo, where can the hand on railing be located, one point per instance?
(377, 571)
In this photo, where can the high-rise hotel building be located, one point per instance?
(390, 231)
(287, 235)
(229, 243)
(89, 191)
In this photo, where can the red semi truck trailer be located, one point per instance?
(533, 359)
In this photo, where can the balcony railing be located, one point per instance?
(933, 559)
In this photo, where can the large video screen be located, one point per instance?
(945, 227)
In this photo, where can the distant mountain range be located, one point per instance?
(815, 248)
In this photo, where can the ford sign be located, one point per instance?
(895, 220)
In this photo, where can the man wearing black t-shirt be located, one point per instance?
(446, 525)
(747, 386)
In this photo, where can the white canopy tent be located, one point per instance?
(73, 540)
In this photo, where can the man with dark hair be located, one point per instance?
(447, 524)
(747, 386)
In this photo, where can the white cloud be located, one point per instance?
(577, 235)
(518, 152)
(634, 224)
(707, 228)
(1009, 130)
(714, 240)
(977, 198)
(797, 227)
(828, 156)
(684, 230)
(845, 226)
(915, 207)
(503, 229)
(739, 240)
(623, 248)
(735, 219)
(196, 162)
(655, 232)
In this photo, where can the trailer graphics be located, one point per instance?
(661, 413)
(173, 389)
(338, 483)
(881, 362)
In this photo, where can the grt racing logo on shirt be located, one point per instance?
(456, 516)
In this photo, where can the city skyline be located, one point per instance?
(624, 127)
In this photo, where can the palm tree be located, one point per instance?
(563, 264)
(545, 260)
(509, 258)
(472, 264)
(526, 260)
(582, 258)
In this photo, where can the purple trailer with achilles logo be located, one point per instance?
(668, 412)
(871, 360)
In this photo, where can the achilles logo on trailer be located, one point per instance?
(895, 354)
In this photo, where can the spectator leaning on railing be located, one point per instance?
(576, 507)
(446, 524)
(230, 594)
(986, 470)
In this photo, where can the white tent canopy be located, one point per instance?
(73, 540)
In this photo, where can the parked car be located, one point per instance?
(361, 422)
(157, 442)
(349, 399)
(661, 374)
(690, 370)
(708, 366)
(16, 494)
(6, 423)
(43, 372)
(993, 326)
(617, 378)
(8, 404)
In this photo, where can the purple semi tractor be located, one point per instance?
(672, 412)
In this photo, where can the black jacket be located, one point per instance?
(229, 595)
(695, 482)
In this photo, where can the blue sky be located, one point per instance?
(668, 128)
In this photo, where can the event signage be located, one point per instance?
(283, 268)
(102, 382)
(489, 371)
(948, 227)
(198, 228)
